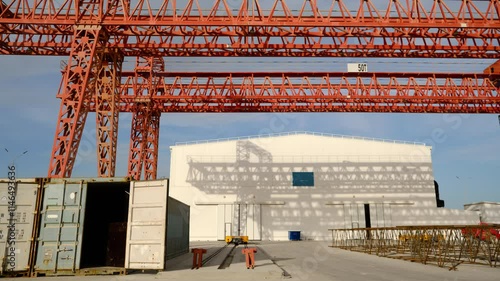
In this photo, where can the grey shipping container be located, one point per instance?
(19, 221)
(158, 226)
(75, 220)
(177, 228)
(147, 225)
(86, 225)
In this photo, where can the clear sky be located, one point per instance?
(466, 148)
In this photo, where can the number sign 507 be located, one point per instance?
(357, 67)
(362, 67)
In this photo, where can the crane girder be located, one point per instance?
(315, 92)
(343, 28)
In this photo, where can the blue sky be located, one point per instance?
(466, 148)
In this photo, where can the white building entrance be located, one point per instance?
(239, 219)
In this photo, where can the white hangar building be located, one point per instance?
(266, 186)
(489, 212)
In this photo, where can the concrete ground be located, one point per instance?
(300, 260)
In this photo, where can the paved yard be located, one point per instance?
(301, 260)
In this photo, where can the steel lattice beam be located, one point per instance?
(319, 92)
(399, 28)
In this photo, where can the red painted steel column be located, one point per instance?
(75, 92)
(140, 119)
(151, 147)
(107, 109)
(145, 120)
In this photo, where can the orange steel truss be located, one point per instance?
(319, 92)
(75, 93)
(107, 107)
(98, 35)
(145, 130)
(399, 28)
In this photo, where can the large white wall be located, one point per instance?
(248, 182)
(489, 212)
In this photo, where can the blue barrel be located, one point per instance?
(294, 235)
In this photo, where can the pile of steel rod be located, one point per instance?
(445, 246)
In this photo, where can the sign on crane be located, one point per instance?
(357, 67)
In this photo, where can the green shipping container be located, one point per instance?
(104, 226)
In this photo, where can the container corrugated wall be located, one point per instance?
(61, 232)
(76, 219)
(19, 204)
(75, 226)
(147, 224)
(177, 228)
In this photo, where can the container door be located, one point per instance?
(146, 229)
(61, 230)
(17, 209)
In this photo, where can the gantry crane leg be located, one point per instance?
(75, 93)
(145, 129)
(137, 143)
(107, 100)
(151, 148)
(144, 139)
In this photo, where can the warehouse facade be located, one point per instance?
(266, 186)
(489, 212)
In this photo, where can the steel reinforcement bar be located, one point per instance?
(444, 246)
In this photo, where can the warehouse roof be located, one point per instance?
(298, 133)
(482, 203)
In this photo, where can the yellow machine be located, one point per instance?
(237, 239)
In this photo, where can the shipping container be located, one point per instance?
(104, 226)
(75, 226)
(158, 226)
(177, 228)
(19, 221)
(147, 225)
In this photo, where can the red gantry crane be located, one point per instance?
(97, 35)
